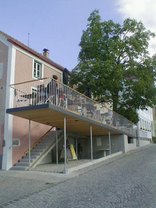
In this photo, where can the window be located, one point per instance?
(15, 142)
(98, 142)
(37, 70)
(130, 140)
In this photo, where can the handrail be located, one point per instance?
(33, 80)
(63, 96)
(45, 78)
(47, 149)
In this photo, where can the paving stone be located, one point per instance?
(127, 182)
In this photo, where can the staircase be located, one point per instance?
(39, 151)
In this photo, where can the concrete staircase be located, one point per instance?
(39, 151)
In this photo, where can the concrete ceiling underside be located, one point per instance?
(54, 116)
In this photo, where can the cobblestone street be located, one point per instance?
(125, 182)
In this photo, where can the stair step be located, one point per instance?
(38, 148)
(19, 168)
(41, 146)
(22, 163)
(25, 160)
(45, 142)
(32, 157)
(36, 152)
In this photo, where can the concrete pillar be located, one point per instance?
(138, 136)
(76, 148)
(65, 145)
(29, 142)
(56, 148)
(91, 142)
(110, 144)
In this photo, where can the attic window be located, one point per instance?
(37, 70)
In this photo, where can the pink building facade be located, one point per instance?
(19, 63)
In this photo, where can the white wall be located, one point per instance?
(144, 142)
(145, 123)
(7, 150)
(129, 146)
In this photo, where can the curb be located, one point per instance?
(94, 162)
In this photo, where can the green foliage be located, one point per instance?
(115, 65)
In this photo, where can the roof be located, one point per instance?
(30, 50)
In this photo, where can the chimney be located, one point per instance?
(46, 53)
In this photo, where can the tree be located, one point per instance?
(114, 63)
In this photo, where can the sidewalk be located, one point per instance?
(15, 185)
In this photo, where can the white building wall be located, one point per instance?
(129, 146)
(8, 123)
(145, 123)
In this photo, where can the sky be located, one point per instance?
(58, 24)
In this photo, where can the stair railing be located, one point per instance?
(38, 141)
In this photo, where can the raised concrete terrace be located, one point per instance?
(48, 101)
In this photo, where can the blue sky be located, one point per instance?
(58, 24)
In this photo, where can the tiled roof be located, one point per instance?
(30, 50)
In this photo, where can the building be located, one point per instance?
(145, 124)
(19, 63)
(30, 108)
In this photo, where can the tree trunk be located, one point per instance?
(115, 99)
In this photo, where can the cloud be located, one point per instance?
(141, 10)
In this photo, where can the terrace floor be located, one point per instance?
(53, 115)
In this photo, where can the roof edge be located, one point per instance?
(31, 51)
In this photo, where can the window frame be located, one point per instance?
(16, 142)
(35, 73)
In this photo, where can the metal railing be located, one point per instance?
(51, 91)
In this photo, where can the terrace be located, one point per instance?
(52, 103)
(48, 96)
